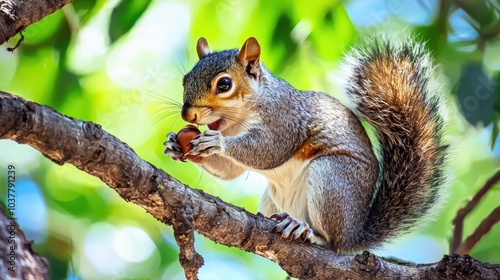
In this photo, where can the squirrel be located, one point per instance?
(326, 185)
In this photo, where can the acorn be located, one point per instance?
(185, 135)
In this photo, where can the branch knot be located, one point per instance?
(368, 261)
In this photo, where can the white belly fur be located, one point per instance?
(287, 187)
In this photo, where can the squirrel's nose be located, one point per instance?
(187, 113)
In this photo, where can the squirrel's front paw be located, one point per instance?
(172, 148)
(292, 228)
(208, 143)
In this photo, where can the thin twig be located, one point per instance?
(480, 231)
(17, 44)
(458, 222)
(72, 18)
(442, 20)
(491, 30)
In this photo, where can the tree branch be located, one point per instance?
(91, 149)
(189, 259)
(483, 228)
(17, 259)
(16, 15)
(464, 211)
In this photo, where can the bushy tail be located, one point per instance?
(392, 89)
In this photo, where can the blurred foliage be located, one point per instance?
(120, 64)
(124, 16)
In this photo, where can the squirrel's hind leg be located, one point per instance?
(339, 193)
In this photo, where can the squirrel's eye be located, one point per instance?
(224, 84)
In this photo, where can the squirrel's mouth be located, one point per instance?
(215, 125)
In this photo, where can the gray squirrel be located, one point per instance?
(326, 185)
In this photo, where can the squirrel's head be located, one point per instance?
(218, 86)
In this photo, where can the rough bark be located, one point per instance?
(16, 15)
(17, 259)
(91, 149)
(85, 145)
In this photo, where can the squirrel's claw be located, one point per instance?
(172, 148)
(292, 228)
(208, 143)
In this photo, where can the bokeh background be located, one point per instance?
(120, 64)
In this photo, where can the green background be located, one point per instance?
(120, 64)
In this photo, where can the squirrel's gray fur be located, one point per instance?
(314, 151)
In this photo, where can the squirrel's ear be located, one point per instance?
(249, 56)
(202, 47)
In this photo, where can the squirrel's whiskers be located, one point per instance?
(325, 184)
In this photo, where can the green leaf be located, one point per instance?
(285, 47)
(333, 34)
(66, 82)
(476, 94)
(44, 30)
(495, 117)
(124, 16)
(495, 114)
(87, 9)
